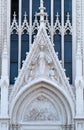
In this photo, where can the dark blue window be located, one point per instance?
(57, 37)
(25, 8)
(13, 72)
(57, 8)
(68, 8)
(14, 44)
(57, 45)
(24, 46)
(14, 8)
(47, 5)
(13, 58)
(25, 36)
(68, 41)
(68, 56)
(35, 8)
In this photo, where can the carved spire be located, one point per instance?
(14, 15)
(25, 16)
(42, 8)
(14, 25)
(68, 26)
(57, 26)
(57, 15)
(42, 13)
(68, 16)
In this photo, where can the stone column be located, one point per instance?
(0, 32)
(0, 19)
(79, 82)
(4, 84)
(79, 68)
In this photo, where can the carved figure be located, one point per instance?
(41, 60)
(52, 73)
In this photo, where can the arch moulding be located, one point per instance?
(37, 101)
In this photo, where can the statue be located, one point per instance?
(41, 60)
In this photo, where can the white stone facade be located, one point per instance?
(42, 97)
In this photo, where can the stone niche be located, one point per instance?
(40, 109)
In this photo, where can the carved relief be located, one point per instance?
(41, 109)
(41, 63)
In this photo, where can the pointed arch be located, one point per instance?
(53, 92)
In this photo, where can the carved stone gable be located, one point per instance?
(41, 62)
(41, 65)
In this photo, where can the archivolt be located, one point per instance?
(51, 92)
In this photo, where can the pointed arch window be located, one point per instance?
(14, 43)
(68, 39)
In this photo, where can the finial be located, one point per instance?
(42, 13)
(25, 15)
(14, 15)
(41, 3)
(57, 15)
(36, 17)
(68, 16)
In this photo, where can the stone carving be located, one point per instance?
(30, 73)
(41, 60)
(53, 74)
(14, 25)
(41, 109)
(40, 64)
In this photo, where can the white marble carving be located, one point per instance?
(40, 109)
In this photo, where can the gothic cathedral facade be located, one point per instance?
(41, 64)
